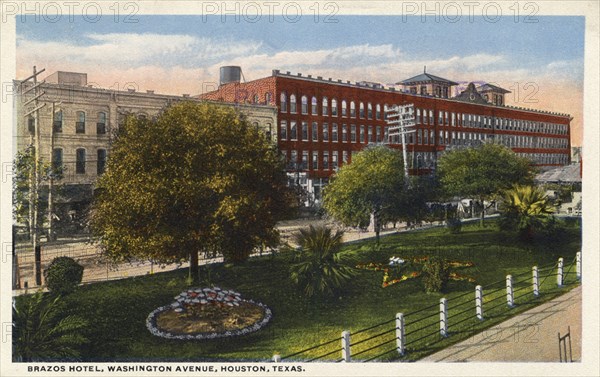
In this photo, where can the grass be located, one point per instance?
(117, 310)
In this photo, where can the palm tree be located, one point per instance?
(39, 332)
(525, 208)
(319, 267)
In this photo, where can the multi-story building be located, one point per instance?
(322, 122)
(78, 134)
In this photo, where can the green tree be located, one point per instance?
(23, 178)
(482, 172)
(319, 267)
(40, 331)
(525, 209)
(199, 178)
(373, 184)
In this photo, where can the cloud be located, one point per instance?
(181, 63)
(131, 49)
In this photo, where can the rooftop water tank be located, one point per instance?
(230, 73)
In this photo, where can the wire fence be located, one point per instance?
(96, 266)
(451, 320)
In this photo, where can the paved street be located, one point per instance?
(529, 336)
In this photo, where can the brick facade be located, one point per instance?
(541, 136)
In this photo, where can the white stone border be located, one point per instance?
(153, 328)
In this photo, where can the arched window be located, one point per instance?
(378, 111)
(361, 108)
(101, 123)
(80, 124)
(255, 98)
(57, 159)
(31, 124)
(344, 110)
(325, 106)
(283, 102)
(304, 105)
(268, 98)
(58, 121)
(385, 109)
(352, 109)
(101, 167)
(293, 109)
(80, 161)
(369, 110)
(313, 106)
(334, 107)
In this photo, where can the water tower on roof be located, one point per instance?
(229, 74)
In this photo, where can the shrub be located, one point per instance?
(41, 331)
(437, 274)
(63, 275)
(319, 267)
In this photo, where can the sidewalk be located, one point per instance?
(529, 336)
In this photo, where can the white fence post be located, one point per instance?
(400, 333)
(509, 291)
(277, 358)
(346, 346)
(444, 317)
(479, 302)
(559, 273)
(536, 281)
(578, 265)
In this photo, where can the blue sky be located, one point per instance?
(550, 39)
(182, 54)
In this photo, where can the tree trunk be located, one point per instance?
(193, 271)
(481, 222)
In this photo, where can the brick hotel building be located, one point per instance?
(322, 122)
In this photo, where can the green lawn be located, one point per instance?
(117, 310)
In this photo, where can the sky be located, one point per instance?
(541, 62)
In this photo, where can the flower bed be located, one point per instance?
(208, 313)
(396, 263)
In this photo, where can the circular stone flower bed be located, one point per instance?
(208, 313)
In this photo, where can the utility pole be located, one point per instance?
(51, 178)
(400, 118)
(35, 182)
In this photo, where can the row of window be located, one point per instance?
(424, 116)
(80, 160)
(328, 160)
(328, 107)
(546, 158)
(376, 134)
(314, 160)
(80, 123)
(519, 141)
(331, 107)
(333, 133)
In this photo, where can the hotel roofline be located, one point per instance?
(357, 84)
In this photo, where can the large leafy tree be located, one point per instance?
(373, 184)
(199, 178)
(482, 172)
(525, 209)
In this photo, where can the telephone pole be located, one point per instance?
(35, 180)
(51, 178)
(400, 118)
